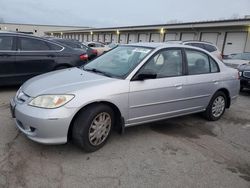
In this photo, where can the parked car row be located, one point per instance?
(99, 47)
(240, 61)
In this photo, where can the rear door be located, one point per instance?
(7, 59)
(203, 78)
(34, 56)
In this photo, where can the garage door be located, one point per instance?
(143, 38)
(89, 37)
(107, 37)
(123, 39)
(187, 36)
(101, 38)
(155, 37)
(170, 36)
(132, 38)
(80, 37)
(210, 37)
(95, 37)
(114, 38)
(85, 38)
(235, 42)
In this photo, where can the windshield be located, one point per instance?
(119, 62)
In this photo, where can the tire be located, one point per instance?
(211, 113)
(84, 125)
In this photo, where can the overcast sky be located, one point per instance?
(104, 13)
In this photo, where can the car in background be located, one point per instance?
(235, 60)
(244, 71)
(242, 56)
(235, 63)
(100, 47)
(129, 85)
(113, 45)
(92, 53)
(210, 47)
(24, 56)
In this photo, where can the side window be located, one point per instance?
(166, 63)
(91, 45)
(199, 45)
(198, 62)
(210, 48)
(55, 47)
(214, 66)
(29, 44)
(6, 43)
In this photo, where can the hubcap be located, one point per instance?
(99, 128)
(218, 106)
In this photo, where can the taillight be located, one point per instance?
(84, 57)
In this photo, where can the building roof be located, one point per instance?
(198, 24)
(44, 25)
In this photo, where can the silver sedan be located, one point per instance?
(130, 85)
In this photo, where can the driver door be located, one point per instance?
(162, 97)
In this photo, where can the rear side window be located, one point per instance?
(209, 48)
(29, 44)
(198, 62)
(6, 43)
(214, 66)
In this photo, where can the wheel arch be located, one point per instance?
(228, 98)
(119, 120)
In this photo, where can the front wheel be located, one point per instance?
(92, 127)
(216, 107)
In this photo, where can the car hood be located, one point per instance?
(234, 63)
(63, 81)
(244, 68)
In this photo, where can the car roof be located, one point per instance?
(196, 41)
(159, 45)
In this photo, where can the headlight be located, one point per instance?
(51, 101)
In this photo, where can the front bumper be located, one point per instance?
(47, 126)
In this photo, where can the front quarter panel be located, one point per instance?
(115, 92)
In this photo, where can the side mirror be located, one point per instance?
(146, 74)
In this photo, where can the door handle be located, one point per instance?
(178, 86)
(215, 81)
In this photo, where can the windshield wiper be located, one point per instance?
(98, 71)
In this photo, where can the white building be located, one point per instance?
(231, 36)
(37, 30)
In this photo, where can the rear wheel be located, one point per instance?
(92, 127)
(216, 107)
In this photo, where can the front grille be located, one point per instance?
(246, 74)
(21, 97)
